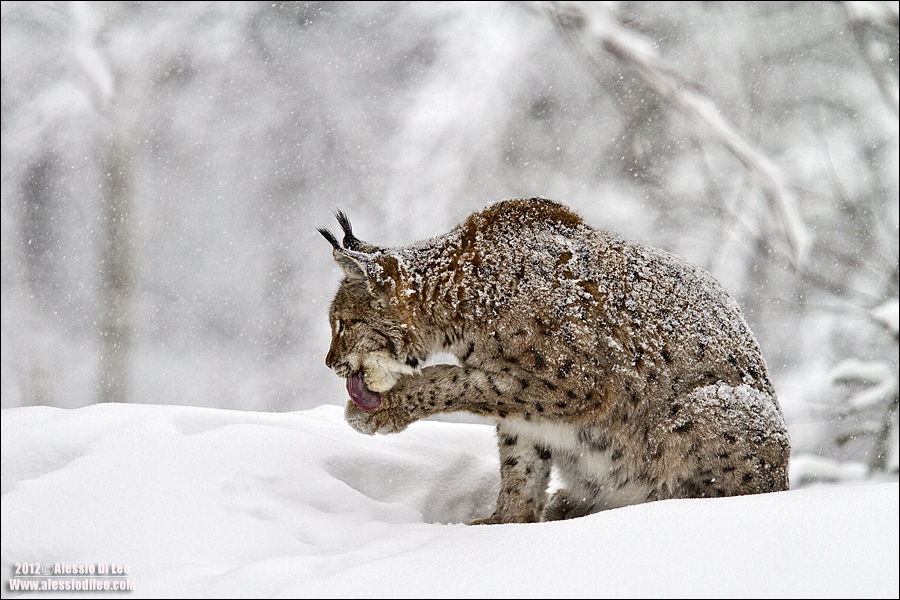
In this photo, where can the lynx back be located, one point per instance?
(629, 370)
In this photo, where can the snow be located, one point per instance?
(888, 314)
(218, 503)
(640, 53)
(880, 376)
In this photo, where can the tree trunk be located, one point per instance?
(117, 276)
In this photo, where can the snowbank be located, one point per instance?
(206, 502)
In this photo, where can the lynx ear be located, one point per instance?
(380, 272)
(351, 242)
(352, 266)
(330, 237)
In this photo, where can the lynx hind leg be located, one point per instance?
(568, 504)
(725, 441)
(586, 491)
(524, 476)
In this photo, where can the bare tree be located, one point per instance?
(117, 271)
(596, 26)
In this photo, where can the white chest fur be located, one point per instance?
(603, 473)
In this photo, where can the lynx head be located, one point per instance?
(372, 341)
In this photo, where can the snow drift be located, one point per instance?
(207, 502)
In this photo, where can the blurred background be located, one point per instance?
(165, 166)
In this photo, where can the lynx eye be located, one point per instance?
(340, 326)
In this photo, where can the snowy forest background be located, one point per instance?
(165, 166)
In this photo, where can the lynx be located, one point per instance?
(629, 370)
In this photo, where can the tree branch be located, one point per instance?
(600, 27)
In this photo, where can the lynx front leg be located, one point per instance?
(524, 475)
(434, 390)
(413, 397)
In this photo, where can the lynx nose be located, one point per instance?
(329, 358)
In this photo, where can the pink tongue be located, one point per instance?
(361, 395)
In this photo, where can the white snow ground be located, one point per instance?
(206, 502)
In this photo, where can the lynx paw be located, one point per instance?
(382, 371)
(380, 420)
(523, 515)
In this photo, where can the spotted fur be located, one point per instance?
(629, 370)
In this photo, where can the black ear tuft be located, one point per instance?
(344, 222)
(330, 237)
(350, 240)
